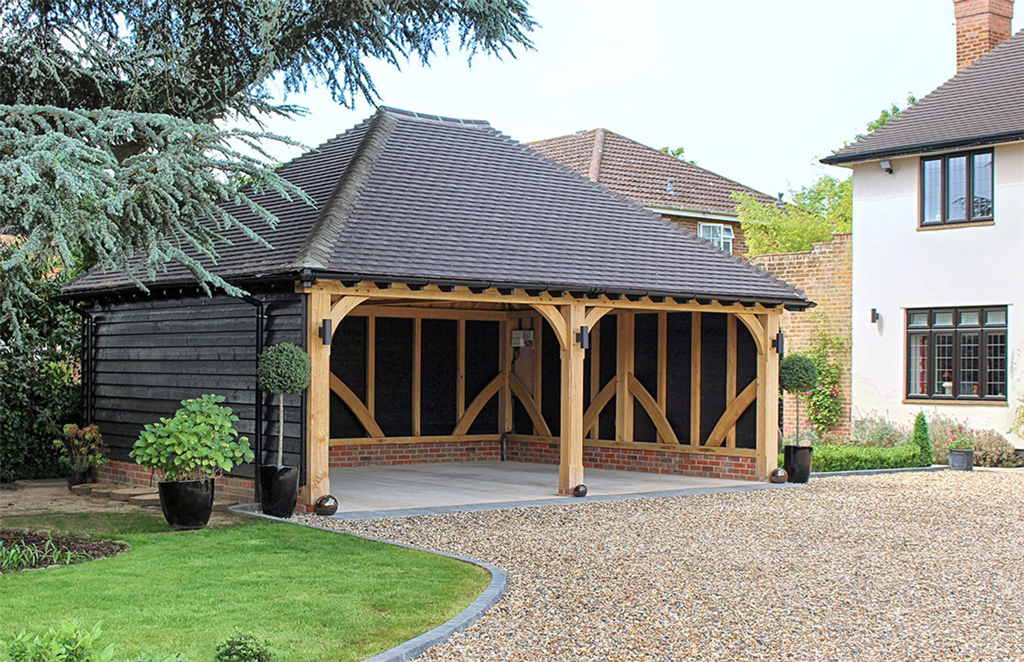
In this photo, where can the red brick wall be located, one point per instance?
(650, 461)
(981, 25)
(227, 488)
(739, 242)
(391, 454)
(825, 274)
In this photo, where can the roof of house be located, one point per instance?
(983, 104)
(646, 175)
(405, 197)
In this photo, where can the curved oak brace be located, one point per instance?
(651, 406)
(519, 389)
(756, 330)
(556, 320)
(342, 307)
(342, 390)
(732, 414)
(597, 405)
(478, 403)
(594, 315)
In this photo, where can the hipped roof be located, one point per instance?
(406, 197)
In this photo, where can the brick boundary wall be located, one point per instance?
(227, 488)
(825, 274)
(649, 461)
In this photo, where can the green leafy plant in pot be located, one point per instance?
(189, 450)
(282, 368)
(961, 451)
(82, 452)
(797, 375)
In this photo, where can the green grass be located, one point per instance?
(313, 595)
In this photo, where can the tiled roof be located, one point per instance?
(410, 198)
(983, 104)
(644, 174)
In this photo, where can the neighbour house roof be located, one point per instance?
(644, 174)
(405, 197)
(983, 104)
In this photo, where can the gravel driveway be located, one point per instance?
(914, 566)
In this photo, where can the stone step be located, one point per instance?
(126, 493)
(152, 499)
(87, 488)
(103, 490)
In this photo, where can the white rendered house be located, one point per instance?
(938, 241)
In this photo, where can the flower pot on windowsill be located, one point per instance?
(961, 459)
(279, 489)
(797, 463)
(186, 504)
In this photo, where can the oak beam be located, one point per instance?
(481, 399)
(662, 367)
(650, 405)
(624, 359)
(371, 365)
(595, 375)
(460, 394)
(417, 375)
(505, 366)
(597, 404)
(695, 379)
(727, 423)
(516, 386)
(557, 322)
(360, 410)
(340, 309)
(731, 369)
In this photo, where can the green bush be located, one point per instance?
(242, 647)
(921, 440)
(991, 449)
(197, 442)
(81, 448)
(283, 368)
(797, 374)
(853, 458)
(69, 642)
(877, 431)
(825, 401)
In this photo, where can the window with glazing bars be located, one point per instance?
(956, 353)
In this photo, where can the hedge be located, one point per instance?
(852, 458)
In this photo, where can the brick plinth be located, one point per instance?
(630, 459)
(228, 488)
(363, 455)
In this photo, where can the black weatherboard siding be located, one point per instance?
(149, 354)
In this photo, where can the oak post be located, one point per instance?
(768, 399)
(695, 379)
(570, 466)
(624, 367)
(318, 400)
(505, 366)
(730, 373)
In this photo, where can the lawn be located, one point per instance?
(311, 594)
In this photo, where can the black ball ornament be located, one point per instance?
(579, 491)
(326, 505)
(779, 475)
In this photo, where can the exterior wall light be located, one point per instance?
(875, 316)
(886, 166)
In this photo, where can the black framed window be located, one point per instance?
(956, 353)
(957, 188)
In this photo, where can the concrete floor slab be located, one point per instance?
(417, 489)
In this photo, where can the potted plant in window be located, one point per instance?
(81, 453)
(961, 452)
(189, 450)
(282, 368)
(798, 375)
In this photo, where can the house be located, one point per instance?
(938, 207)
(461, 298)
(686, 194)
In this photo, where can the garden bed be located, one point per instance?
(28, 550)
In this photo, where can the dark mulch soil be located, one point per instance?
(84, 549)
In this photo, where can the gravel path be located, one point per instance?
(920, 566)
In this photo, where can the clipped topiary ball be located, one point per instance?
(283, 368)
(797, 374)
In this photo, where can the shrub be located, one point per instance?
(943, 431)
(282, 368)
(68, 642)
(797, 374)
(198, 441)
(850, 458)
(824, 401)
(241, 647)
(877, 431)
(921, 441)
(81, 448)
(991, 449)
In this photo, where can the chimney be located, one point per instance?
(980, 26)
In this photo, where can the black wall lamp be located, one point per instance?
(875, 316)
(779, 343)
(583, 337)
(325, 331)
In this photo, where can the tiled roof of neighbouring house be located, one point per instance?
(404, 197)
(983, 104)
(644, 174)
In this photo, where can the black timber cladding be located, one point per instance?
(411, 198)
(151, 353)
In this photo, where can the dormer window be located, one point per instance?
(957, 188)
(719, 234)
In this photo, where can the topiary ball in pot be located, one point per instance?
(798, 375)
(282, 368)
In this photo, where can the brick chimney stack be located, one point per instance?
(980, 26)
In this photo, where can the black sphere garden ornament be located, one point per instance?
(326, 506)
(579, 491)
(779, 475)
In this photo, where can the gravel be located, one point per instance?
(923, 566)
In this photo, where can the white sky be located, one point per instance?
(755, 91)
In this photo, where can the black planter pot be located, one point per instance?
(797, 463)
(279, 488)
(961, 459)
(81, 477)
(187, 504)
